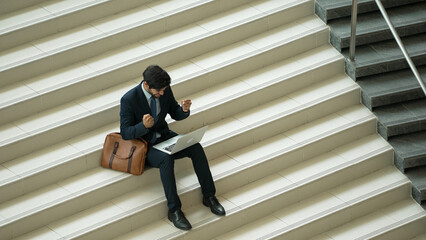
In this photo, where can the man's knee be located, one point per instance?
(196, 152)
(167, 162)
(197, 147)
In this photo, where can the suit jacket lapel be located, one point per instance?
(163, 102)
(142, 99)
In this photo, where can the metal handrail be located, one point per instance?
(394, 33)
(353, 30)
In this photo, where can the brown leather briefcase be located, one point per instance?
(124, 155)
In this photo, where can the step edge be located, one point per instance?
(229, 211)
(52, 16)
(238, 209)
(88, 77)
(251, 127)
(103, 36)
(189, 189)
(4, 143)
(352, 203)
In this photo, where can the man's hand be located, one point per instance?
(186, 105)
(148, 121)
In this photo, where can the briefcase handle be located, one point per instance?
(114, 154)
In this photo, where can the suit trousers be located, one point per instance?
(165, 163)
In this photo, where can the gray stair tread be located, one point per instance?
(402, 118)
(371, 27)
(386, 56)
(402, 112)
(392, 87)
(388, 85)
(417, 176)
(328, 10)
(410, 150)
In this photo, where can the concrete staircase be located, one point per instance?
(293, 152)
(389, 87)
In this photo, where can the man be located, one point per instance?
(142, 114)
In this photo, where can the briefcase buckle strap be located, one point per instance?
(114, 151)
(129, 166)
(130, 157)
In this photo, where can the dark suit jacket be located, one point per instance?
(134, 106)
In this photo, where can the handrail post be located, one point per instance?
(353, 30)
(401, 45)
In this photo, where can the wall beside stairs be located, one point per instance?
(389, 87)
(294, 153)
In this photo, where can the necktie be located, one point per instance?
(153, 106)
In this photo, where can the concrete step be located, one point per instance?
(55, 163)
(112, 68)
(62, 199)
(410, 150)
(8, 6)
(113, 32)
(402, 220)
(41, 163)
(29, 212)
(287, 133)
(270, 47)
(388, 85)
(420, 237)
(211, 105)
(319, 213)
(386, 56)
(328, 10)
(50, 17)
(371, 27)
(392, 87)
(417, 176)
(401, 118)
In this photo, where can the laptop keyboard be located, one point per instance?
(169, 148)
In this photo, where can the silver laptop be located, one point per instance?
(181, 141)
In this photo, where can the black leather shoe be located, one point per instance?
(214, 206)
(179, 220)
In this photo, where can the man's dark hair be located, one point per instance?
(156, 77)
